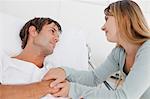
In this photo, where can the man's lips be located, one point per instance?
(53, 45)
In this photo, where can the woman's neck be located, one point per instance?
(130, 49)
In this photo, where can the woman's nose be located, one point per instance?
(103, 28)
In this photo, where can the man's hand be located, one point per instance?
(29, 91)
(64, 89)
(56, 74)
(50, 90)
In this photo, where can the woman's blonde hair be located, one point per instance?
(130, 20)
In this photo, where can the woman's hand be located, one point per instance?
(57, 74)
(64, 89)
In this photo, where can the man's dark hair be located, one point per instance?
(38, 23)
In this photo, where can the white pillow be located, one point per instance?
(9, 34)
(71, 50)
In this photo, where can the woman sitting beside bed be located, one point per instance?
(126, 26)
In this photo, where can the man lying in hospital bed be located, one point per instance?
(21, 70)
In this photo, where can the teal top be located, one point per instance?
(136, 84)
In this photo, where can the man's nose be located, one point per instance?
(56, 39)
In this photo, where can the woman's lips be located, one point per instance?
(106, 32)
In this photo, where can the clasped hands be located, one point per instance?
(59, 86)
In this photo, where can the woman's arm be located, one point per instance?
(136, 83)
(97, 75)
(90, 78)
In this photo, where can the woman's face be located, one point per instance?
(111, 29)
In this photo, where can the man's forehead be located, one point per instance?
(53, 25)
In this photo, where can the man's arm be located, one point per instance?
(29, 91)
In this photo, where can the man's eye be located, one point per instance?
(53, 31)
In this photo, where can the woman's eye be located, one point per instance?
(106, 18)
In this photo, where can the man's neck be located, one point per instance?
(32, 55)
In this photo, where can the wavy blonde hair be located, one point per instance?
(130, 20)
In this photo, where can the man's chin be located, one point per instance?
(50, 52)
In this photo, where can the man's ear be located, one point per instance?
(32, 31)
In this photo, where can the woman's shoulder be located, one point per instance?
(145, 48)
(145, 45)
(117, 50)
(117, 53)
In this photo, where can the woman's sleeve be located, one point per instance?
(96, 76)
(136, 83)
(78, 91)
(138, 79)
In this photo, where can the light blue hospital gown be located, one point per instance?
(136, 84)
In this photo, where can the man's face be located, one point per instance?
(47, 38)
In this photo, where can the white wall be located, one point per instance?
(26, 9)
(86, 14)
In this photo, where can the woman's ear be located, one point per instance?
(32, 31)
